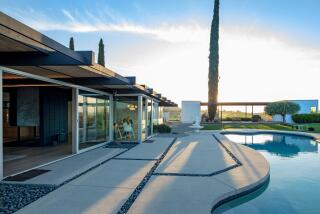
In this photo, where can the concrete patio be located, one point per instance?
(188, 174)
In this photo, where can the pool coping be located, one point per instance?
(246, 189)
(313, 136)
(227, 198)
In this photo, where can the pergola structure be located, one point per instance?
(244, 104)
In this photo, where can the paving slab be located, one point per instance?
(79, 199)
(196, 154)
(66, 169)
(102, 190)
(116, 173)
(172, 195)
(149, 150)
(254, 170)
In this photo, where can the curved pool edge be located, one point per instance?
(313, 136)
(227, 198)
(253, 173)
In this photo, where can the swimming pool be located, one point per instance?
(294, 185)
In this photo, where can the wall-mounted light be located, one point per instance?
(132, 107)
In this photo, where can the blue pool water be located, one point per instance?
(294, 185)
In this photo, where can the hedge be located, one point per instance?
(237, 119)
(306, 118)
(162, 128)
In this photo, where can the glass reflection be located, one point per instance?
(93, 110)
(276, 144)
(126, 118)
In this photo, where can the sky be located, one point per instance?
(269, 49)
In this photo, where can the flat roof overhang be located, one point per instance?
(25, 49)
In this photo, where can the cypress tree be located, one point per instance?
(214, 64)
(101, 53)
(71, 44)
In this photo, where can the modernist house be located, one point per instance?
(58, 102)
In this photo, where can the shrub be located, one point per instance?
(162, 128)
(205, 117)
(256, 118)
(237, 119)
(282, 108)
(247, 119)
(306, 118)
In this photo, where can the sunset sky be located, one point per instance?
(269, 49)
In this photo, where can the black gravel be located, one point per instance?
(228, 151)
(126, 206)
(15, 196)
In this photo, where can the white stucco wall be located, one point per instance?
(305, 108)
(191, 111)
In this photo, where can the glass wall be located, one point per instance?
(126, 118)
(94, 115)
(144, 119)
(161, 120)
(149, 122)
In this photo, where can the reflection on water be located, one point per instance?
(277, 144)
(235, 203)
(294, 184)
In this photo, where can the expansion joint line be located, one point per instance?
(94, 167)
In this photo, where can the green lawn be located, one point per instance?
(282, 127)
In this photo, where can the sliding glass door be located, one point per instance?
(94, 114)
(126, 118)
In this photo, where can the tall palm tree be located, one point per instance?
(214, 64)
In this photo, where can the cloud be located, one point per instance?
(68, 15)
(255, 64)
(88, 22)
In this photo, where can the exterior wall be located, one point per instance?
(305, 108)
(54, 115)
(191, 111)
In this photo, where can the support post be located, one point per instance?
(246, 111)
(75, 121)
(146, 129)
(152, 115)
(1, 127)
(111, 113)
(252, 112)
(140, 112)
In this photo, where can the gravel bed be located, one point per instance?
(228, 151)
(126, 206)
(15, 196)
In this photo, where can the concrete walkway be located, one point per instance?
(198, 193)
(62, 171)
(196, 173)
